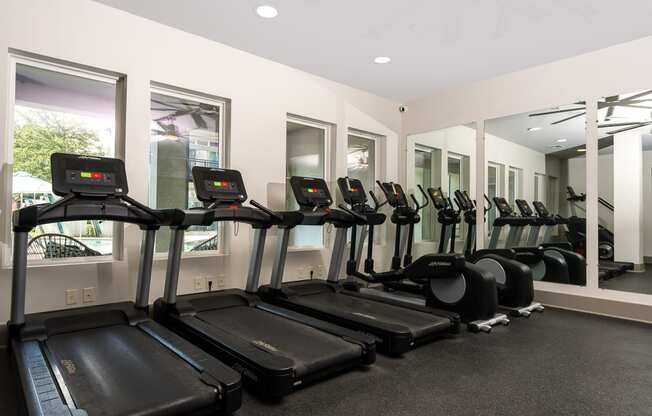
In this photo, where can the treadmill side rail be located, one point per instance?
(227, 381)
(41, 392)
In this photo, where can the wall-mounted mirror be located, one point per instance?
(531, 159)
(441, 159)
(624, 188)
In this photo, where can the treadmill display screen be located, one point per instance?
(218, 185)
(524, 207)
(352, 191)
(310, 192)
(541, 209)
(437, 198)
(503, 206)
(89, 175)
(395, 195)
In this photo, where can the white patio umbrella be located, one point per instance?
(24, 183)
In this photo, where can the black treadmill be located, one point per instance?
(109, 359)
(275, 349)
(398, 325)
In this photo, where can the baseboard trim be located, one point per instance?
(595, 306)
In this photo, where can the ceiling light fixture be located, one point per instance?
(581, 149)
(534, 129)
(561, 140)
(382, 59)
(266, 11)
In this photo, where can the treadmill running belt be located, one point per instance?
(418, 323)
(311, 349)
(120, 370)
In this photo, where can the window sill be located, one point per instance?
(192, 255)
(77, 261)
(306, 249)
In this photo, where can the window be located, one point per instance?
(186, 130)
(60, 108)
(306, 150)
(361, 160)
(423, 174)
(458, 179)
(513, 186)
(540, 187)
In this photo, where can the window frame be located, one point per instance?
(223, 243)
(16, 58)
(328, 169)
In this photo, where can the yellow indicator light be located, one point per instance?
(85, 174)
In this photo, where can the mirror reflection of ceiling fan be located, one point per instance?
(611, 103)
(175, 110)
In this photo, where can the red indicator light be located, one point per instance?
(96, 175)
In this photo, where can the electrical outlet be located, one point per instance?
(71, 296)
(88, 295)
(220, 281)
(320, 273)
(200, 283)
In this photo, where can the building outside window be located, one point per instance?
(60, 109)
(186, 130)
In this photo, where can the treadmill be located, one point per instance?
(109, 359)
(275, 349)
(399, 326)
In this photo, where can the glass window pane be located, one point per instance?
(60, 112)
(185, 132)
(361, 161)
(305, 156)
(423, 176)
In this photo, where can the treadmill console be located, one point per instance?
(503, 207)
(87, 175)
(311, 192)
(541, 209)
(394, 194)
(524, 207)
(464, 200)
(352, 191)
(218, 185)
(437, 198)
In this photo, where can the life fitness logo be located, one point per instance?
(440, 264)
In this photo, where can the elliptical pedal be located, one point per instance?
(524, 311)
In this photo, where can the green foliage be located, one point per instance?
(41, 133)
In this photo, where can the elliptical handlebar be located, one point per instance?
(377, 205)
(419, 207)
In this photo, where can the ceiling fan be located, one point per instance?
(610, 103)
(183, 108)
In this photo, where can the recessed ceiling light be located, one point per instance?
(268, 12)
(581, 149)
(382, 59)
(534, 129)
(556, 146)
(561, 140)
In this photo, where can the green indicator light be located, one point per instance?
(85, 174)
(216, 183)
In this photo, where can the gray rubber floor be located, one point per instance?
(555, 363)
(631, 282)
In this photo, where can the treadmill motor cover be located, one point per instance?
(88, 175)
(219, 185)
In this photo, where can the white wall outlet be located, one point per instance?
(220, 281)
(71, 296)
(200, 283)
(88, 295)
(320, 272)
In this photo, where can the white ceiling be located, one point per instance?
(434, 44)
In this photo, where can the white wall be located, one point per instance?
(582, 78)
(262, 93)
